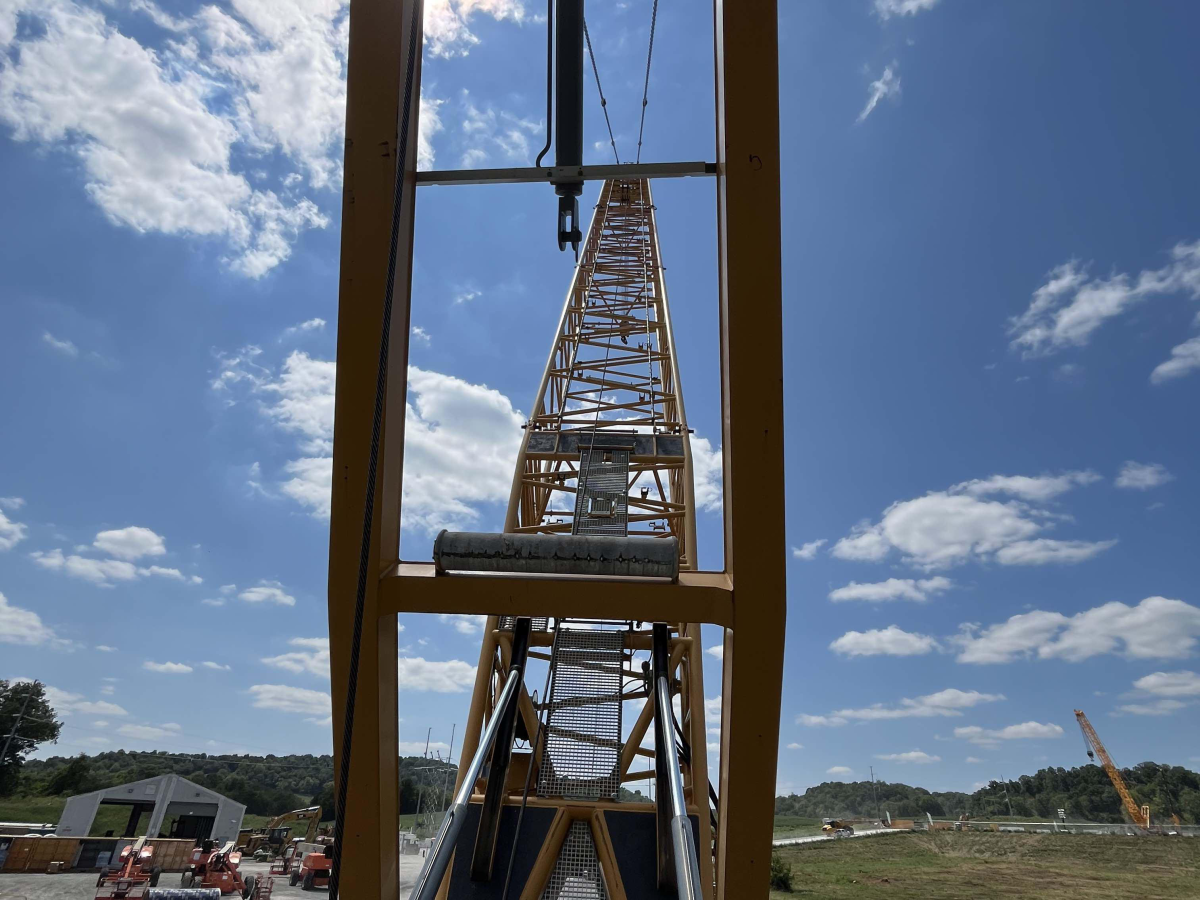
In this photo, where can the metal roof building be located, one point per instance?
(187, 809)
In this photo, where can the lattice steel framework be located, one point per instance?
(606, 451)
(612, 381)
(746, 598)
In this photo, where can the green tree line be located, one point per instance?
(1086, 793)
(267, 785)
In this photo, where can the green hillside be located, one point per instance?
(1084, 792)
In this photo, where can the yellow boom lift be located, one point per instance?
(1140, 816)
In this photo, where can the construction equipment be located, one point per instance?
(312, 870)
(836, 827)
(292, 855)
(135, 876)
(606, 456)
(1139, 816)
(213, 867)
(268, 841)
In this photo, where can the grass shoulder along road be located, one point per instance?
(944, 865)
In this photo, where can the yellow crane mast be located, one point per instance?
(1140, 816)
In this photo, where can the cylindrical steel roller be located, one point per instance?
(184, 894)
(556, 554)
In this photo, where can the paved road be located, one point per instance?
(812, 839)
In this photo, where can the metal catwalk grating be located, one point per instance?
(583, 719)
(507, 623)
(602, 495)
(576, 875)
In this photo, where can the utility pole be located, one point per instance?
(17, 724)
(1006, 797)
(873, 793)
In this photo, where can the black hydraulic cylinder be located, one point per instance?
(568, 115)
(493, 799)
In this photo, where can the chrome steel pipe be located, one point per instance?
(687, 864)
(443, 845)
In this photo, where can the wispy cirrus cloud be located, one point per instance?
(886, 86)
(947, 703)
(1072, 305)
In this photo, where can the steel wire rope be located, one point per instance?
(550, 77)
(364, 561)
(600, 91)
(646, 87)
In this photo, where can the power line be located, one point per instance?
(646, 87)
(600, 91)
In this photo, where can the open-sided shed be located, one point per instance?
(186, 809)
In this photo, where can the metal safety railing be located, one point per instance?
(683, 846)
(442, 848)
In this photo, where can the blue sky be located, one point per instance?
(991, 337)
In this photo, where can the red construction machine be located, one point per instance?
(218, 868)
(135, 876)
(313, 871)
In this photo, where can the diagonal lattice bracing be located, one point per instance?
(612, 372)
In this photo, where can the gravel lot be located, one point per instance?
(82, 885)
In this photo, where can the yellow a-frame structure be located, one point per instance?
(747, 598)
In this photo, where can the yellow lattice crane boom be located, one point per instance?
(1140, 816)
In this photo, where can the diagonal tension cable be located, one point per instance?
(600, 91)
(646, 87)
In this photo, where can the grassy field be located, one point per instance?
(796, 826)
(31, 809)
(945, 865)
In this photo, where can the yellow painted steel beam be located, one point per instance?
(379, 40)
(750, 303)
(698, 597)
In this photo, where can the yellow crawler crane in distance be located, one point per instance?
(1140, 816)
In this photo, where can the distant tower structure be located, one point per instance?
(606, 452)
(612, 374)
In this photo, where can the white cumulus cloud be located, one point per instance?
(267, 592)
(1184, 358)
(1024, 731)
(912, 756)
(130, 543)
(317, 705)
(1170, 684)
(1142, 476)
(965, 522)
(22, 626)
(1156, 628)
(892, 589)
(450, 676)
(885, 9)
(890, 641)
(311, 656)
(11, 533)
(808, 550)
(170, 668)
